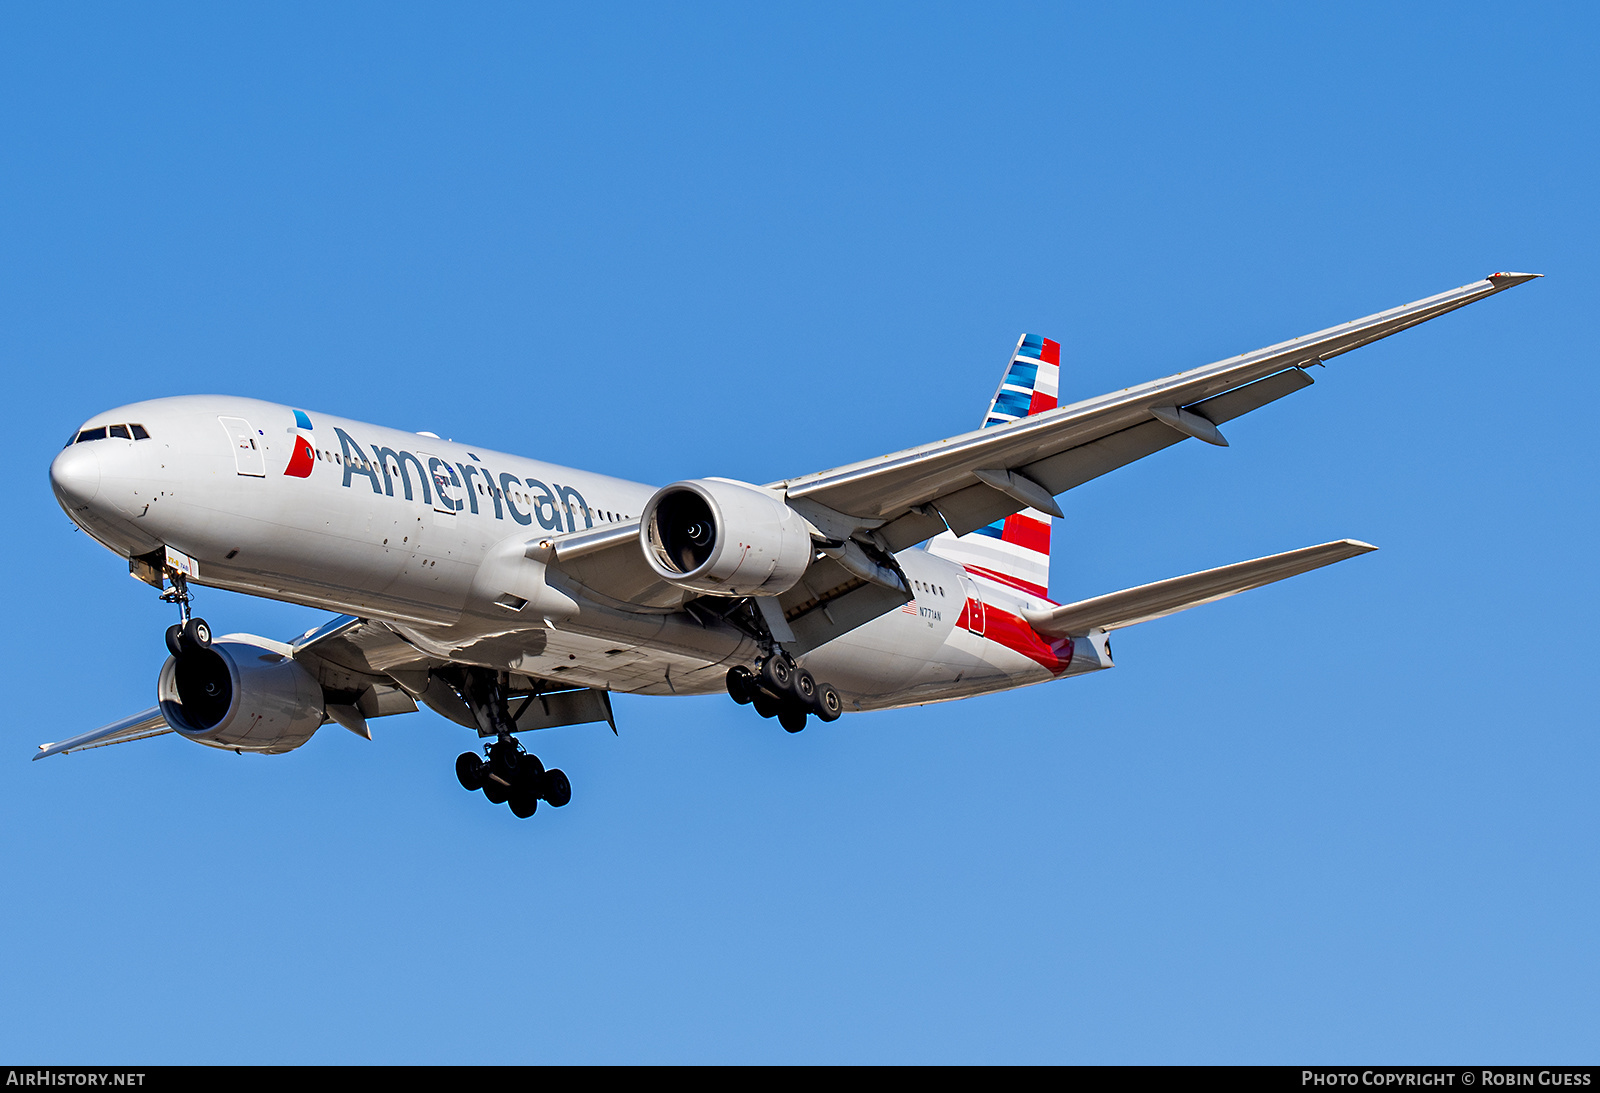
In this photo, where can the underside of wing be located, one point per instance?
(369, 669)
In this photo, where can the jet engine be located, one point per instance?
(724, 538)
(241, 696)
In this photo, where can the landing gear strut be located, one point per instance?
(187, 634)
(780, 688)
(507, 773)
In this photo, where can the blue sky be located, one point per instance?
(1348, 817)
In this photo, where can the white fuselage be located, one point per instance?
(430, 536)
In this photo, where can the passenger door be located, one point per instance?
(247, 454)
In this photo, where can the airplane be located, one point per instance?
(511, 595)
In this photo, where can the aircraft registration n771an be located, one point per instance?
(508, 594)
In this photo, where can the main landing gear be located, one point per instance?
(509, 775)
(782, 689)
(512, 776)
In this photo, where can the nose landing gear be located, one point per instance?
(188, 634)
(780, 688)
(184, 637)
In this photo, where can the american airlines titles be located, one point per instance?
(548, 502)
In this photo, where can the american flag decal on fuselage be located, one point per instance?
(1013, 553)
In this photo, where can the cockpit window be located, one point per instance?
(126, 432)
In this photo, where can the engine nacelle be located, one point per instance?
(240, 696)
(724, 538)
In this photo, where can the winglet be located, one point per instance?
(1510, 280)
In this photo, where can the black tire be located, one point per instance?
(777, 674)
(557, 790)
(505, 760)
(792, 720)
(175, 639)
(740, 683)
(765, 704)
(524, 803)
(828, 705)
(196, 635)
(469, 771)
(805, 687)
(496, 792)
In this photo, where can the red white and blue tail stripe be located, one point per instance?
(1013, 553)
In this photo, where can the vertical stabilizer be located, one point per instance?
(1013, 553)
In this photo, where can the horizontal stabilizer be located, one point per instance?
(137, 727)
(1152, 601)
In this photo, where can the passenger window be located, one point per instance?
(140, 432)
(120, 430)
(92, 434)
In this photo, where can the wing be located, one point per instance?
(137, 727)
(974, 479)
(367, 669)
(343, 655)
(865, 512)
(1154, 601)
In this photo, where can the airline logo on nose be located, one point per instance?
(301, 461)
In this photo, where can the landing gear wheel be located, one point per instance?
(469, 771)
(529, 769)
(765, 704)
(792, 720)
(524, 802)
(557, 790)
(175, 639)
(778, 674)
(805, 687)
(496, 792)
(196, 635)
(506, 761)
(827, 705)
(740, 684)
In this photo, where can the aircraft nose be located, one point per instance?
(75, 475)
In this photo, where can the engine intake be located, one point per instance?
(725, 538)
(240, 696)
